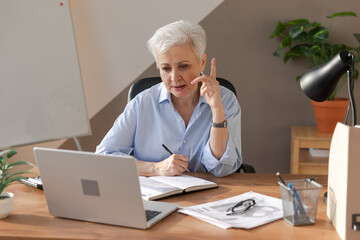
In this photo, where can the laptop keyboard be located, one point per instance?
(150, 214)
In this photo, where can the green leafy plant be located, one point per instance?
(7, 178)
(310, 40)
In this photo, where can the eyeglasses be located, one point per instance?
(241, 207)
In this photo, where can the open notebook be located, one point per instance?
(157, 187)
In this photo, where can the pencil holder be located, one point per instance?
(300, 200)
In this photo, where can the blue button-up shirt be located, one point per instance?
(150, 120)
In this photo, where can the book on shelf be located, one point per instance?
(316, 152)
(153, 188)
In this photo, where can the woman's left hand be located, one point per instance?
(210, 87)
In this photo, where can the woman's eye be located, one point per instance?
(184, 66)
(166, 69)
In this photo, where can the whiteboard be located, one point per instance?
(41, 92)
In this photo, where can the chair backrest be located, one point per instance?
(145, 83)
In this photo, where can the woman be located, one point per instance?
(198, 120)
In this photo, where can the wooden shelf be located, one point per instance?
(302, 139)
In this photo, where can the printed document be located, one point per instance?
(266, 209)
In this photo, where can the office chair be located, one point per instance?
(145, 83)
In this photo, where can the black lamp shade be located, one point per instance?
(321, 82)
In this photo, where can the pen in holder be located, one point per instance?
(300, 200)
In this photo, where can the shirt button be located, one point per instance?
(179, 119)
(184, 141)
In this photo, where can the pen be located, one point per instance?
(294, 203)
(168, 150)
(281, 180)
(302, 209)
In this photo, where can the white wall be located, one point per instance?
(112, 35)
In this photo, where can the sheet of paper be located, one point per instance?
(266, 209)
(183, 181)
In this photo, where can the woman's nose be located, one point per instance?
(174, 75)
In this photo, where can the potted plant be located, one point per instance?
(310, 40)
(7, 178)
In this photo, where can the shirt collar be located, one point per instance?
(164, 94)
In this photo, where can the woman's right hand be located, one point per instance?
(174, 165)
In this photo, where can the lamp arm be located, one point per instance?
(350, 76)
(347, 114)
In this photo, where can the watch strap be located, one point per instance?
(219, 125)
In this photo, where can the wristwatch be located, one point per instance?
(219, 125)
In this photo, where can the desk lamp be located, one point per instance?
(319, 83)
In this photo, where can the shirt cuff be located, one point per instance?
(113, 150)
(229, 157)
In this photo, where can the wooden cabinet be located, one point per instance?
(304, 138)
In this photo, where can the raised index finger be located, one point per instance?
(213, 69)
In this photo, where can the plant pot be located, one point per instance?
(6, 205)
(328, 113)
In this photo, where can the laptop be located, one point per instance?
(96, 188)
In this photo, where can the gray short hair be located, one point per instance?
(175, 34)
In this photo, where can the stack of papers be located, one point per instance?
(266, 209)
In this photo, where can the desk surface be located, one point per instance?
(31, 219)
